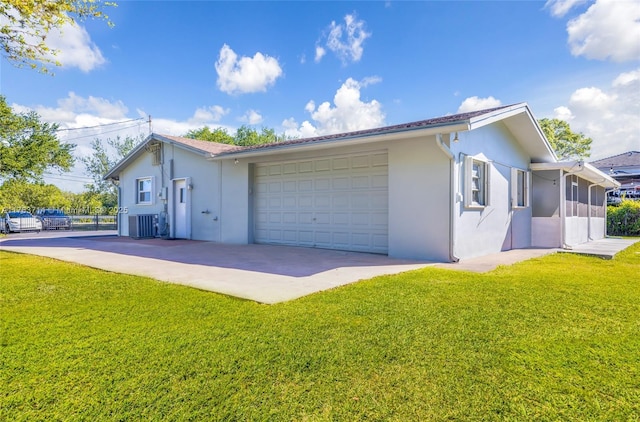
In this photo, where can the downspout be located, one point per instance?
(563, 205)
(119, 211)
(219, 216)
(452, 186)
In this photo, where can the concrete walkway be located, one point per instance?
(263, 273)
(603, 248)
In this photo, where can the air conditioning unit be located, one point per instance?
(142, 226)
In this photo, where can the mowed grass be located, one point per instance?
(556, 338)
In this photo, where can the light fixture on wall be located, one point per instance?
(190, 186)
(455, 138)
(236, 161)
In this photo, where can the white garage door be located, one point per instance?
(338, 202)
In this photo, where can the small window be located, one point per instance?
(519, 188)
(183, 196)
(476, 183)
(143, 191)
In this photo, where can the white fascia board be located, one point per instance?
(135, 153)
(501, 114)
(115, 171)
(581, 169)
(516, 109)
(346, 141)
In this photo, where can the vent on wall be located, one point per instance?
(142, 226)
(155, 150)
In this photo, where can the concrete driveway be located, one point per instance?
(263, 273)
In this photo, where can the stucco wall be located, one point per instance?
(418, 196)
(497, 226)
(141, 167)
(177, 163)
(418, 200)
(204, 197)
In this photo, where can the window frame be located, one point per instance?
(138, 190)
(520, 186)
(482, 186)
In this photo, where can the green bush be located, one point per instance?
(624, 219)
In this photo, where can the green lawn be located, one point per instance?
(556, 338)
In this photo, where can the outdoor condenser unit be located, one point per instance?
(142, 226)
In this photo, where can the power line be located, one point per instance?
(102, 125)
(102, 133)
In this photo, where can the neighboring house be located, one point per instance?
(625, 168)
(441, 189)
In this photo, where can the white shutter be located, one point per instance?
(514, 187)
(487, 184)
(468, 181)
(527, 185)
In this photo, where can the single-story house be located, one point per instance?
(441, 189)
(625, 168)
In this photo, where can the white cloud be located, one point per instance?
(320, 52)
(608, 30)
(563, 113)
(71, 44)
(607, 115)
(345, 40)
(559, 8)
(476, 103)
(208, 114)
(251, 117)
(245, 74)
(75, 48)
(348, 113)
(83, 114)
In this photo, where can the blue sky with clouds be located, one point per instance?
(310, 68)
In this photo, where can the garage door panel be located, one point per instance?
(336, 203)
(289, 186)
(341, 163)
(379, 181)
(360, 182)
(289, 168)
(305, 186)
(322, 218)
(323, 201)
(322, 165)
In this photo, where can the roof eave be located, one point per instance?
(457, 126)
(585, 170)
(114, 173)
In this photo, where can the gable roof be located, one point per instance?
(517, 117)
(205, 149)
(627, 159)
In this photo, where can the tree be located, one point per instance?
(25, 25)
(566, 143)
(29, 147)
(23, 195)
(218, 135)
(106, 155)
(244, 136)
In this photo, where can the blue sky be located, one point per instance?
(310, 68)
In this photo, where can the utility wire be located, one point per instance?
(102, 125)
(102, 133)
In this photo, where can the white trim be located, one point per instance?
(151, 190)
(483, 178)
(172, 207)
(515, 188)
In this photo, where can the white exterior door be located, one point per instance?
(338, 202)
(180, 209)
